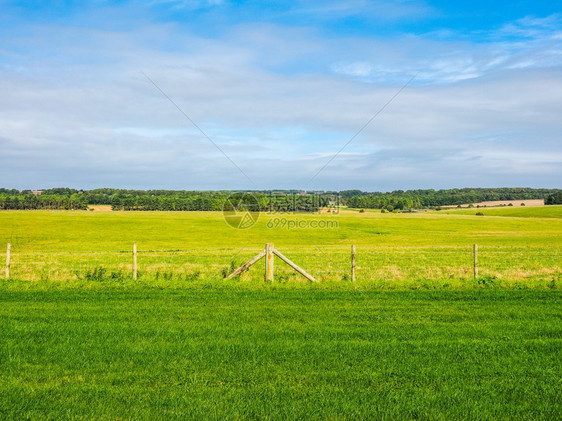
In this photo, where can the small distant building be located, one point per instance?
(37, 192)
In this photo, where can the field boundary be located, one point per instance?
(351, 263)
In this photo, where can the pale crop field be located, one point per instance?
(516, 246)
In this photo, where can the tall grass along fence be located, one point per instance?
(333, 263)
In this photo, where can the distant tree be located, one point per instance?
(554, 199)
(351, 193)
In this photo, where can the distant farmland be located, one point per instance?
(427, 250)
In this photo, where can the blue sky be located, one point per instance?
(280, 87)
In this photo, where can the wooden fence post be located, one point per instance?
(135, 261)
(353, 263)
(8, 249)
(475, 253)
(269, 262)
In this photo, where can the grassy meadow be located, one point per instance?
(415, 337)
(417, 250)
(280, 354)
(511, 211)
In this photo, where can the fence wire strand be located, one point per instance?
(327, 264)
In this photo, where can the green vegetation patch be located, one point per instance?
(421, 250)
(207, 354)
(512, 211)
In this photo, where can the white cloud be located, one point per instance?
(77, 110)
(357, 69)
(533, 27)
(188, 4)
(375, 9)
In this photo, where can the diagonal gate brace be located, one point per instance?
(294, 266)
(246, 265)
(269, 251)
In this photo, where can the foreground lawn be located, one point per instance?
(280, 354)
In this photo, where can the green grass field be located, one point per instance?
(79, 339)
(426, 250)
(280, 354)
(511, 211)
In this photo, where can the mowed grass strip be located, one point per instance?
(280, 354)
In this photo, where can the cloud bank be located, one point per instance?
(279, 97)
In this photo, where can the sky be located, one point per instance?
(249, 95)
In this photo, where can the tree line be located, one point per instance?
(30, 201)
(216, 201)
(554, 199)
(161, 200)
(275, 201)
(423, 199)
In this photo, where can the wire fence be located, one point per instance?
(324, 264)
